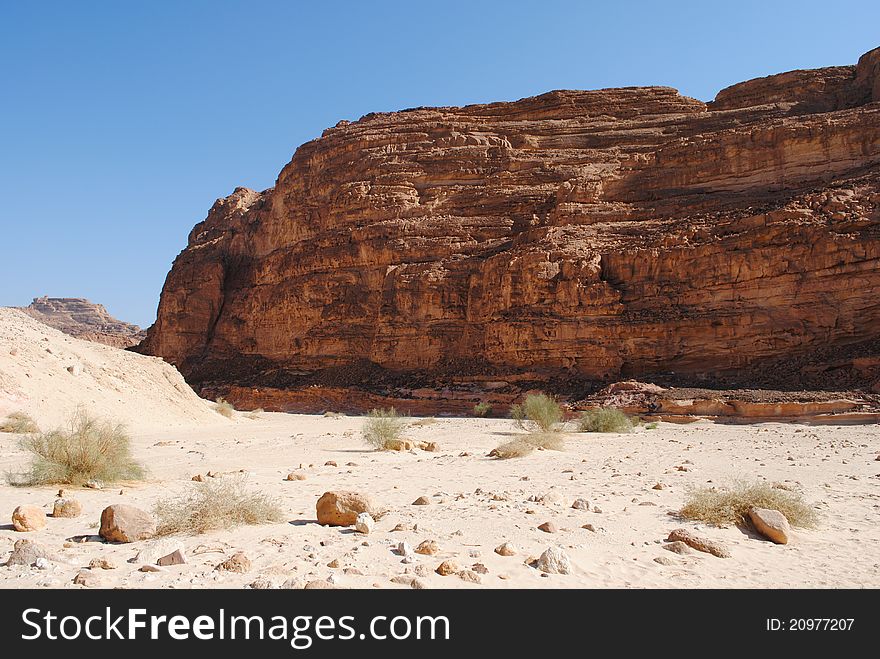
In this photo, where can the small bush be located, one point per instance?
(427, 421)
(651, 426)
(381, 427)
(254, 414)
(19, 423)
(522, 446)
(604, 419)
(482, 409)
(88, 449)
(541, 410)
(731, 505)
(224, 408)
(218, 503)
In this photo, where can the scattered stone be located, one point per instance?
(647, 503)
(94, 485)
(353, 571)
(581, 504)
(149, 568)
(262, 583)
(772, 524)
(422, 570)
(402, 527)
(341, 508)
(238, 562)
(26, 552)
(418, 584)
(320, 584)
(597, 509)
(698, 543)
(162, 552)
(404, 549)
(403, 579)
(550, 498)
(64, 507)
(677, 547)
(42, 564)
(659, 486)
(87, 578)
(331, 463)
(428, 548)
(479, 568)
(446, 568)
(75, 369)
(364, 523)
(664, 560)
(198, 478)
(422, 501)
(506, 549)
(123, 523)
(469, 576)
(28, 518)
(399, 445)
(548, 527)
(102, 564)
(293, 476)
(431, 447)
(589, 527)
(554, 561)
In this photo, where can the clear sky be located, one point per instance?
(122, 122)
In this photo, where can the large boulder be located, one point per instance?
(123, 523)
(555, 561)
(26, 552)
(28, 518)
(341, 508)
(772, 524)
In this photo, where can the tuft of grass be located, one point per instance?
(482, 409)
(522, 446)
(381, 427)
(254, 414)
(604, 419)
(541, 411)
(224, 408)
(88, 449)
(219, 503)
(19, 423)
(652, 426)
(731, 505)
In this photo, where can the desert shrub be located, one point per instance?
(482, 409)
(522, 446)
(381, 427)
(604, 419)
(731, 505)
(20, 423)
(651, 426)
(219, 503)
(541, 411)
(88, 449)
(427, 421)
(224, 408)
(254, 414)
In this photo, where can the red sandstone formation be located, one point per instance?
(436, 256)
(84, 320)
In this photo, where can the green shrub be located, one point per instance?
(88, 449)
(19, 423)
(538, 412)
(224, 408)
(731, 505)
(482, 409)
(604, 419)
(524, 445)
(218, 503)
(382, 427)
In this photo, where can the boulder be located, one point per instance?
(124, 523)
(28, 518)
(341, 508)
(772, 524)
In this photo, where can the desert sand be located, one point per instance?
(476, 502)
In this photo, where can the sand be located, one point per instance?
(478, 502)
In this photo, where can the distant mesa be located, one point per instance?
(85, 320)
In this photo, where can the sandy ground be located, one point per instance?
(479, 502)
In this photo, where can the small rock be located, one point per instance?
(698, 543)
(331, 463)
(42, 564)
(238, 562)
(124, 523)
(149, 568)
(28, 518)
(597, 509)
(262, 583)
(26, 552)
(398, 445)
(548, 527)
(403, 579)
(469, 576)
(341, 508)
(364, 523)
(506, 549)
(75, 369)
(102, 564)
(162, 552)
(479, 568)
(94, 485)
(320, 584)
(589, 527)
(428, 548)
(402, 527)
(554, 561)
(431, 447)
(659, 486)
(664, 560)
(677, 547)
(353, 571)
(446, 568)
(581, 504)
(421, 501)
(404, 549)
(647, 503)
(198, 478)
(293, 476)
(418, 584)
(87, 579)
(772, 524)
(66, 508)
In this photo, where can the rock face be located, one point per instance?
(85, 320)
(434, 253)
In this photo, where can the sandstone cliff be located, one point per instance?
(85, 320)
(436, 254)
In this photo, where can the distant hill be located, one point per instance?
(85, 320)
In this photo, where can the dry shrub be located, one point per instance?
(381, 427)
(19, 423)
(218, 503)
(731, 505)
(88, 449)
(254, 414)
(541, 411)
(482, 409)
(522, 446)
(224, 408)
(427, 421)
(604, 419)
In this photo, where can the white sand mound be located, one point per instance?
(48, 374)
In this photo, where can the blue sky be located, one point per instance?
(121, 122)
